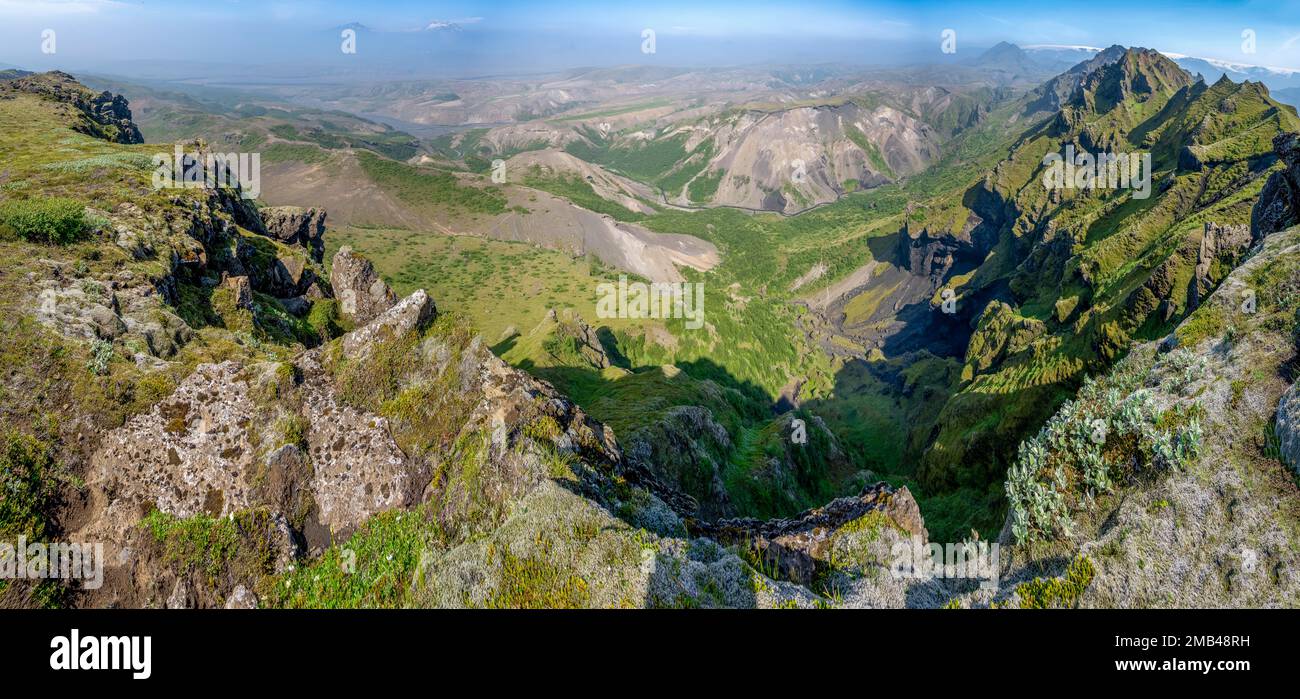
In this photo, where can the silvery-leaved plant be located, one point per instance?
(1067, 462)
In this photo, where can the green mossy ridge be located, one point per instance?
(533, 582)
(425, 404)
(1114, 269)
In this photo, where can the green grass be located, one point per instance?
(55, 220)
(615, 111)
(647, 162)
(375, 567)
(422, 187)
(580, 192)
(496, 285)
(29, 479)
(703, 188)
(294, 153)
(214, 546)
(326, 320)
(873, 153)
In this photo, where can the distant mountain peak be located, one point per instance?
(1004, 56)
(1000, 51)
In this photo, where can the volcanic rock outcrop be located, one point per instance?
(1278, 207)
(295, 225)
(362, 295)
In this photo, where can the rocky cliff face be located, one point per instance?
(798, 548)
(1278, 207)
(931, 251)
(202, 248)
(293, 441)
(211, 449)
(495, 466)
(1095, 269)
(1223, 246)
(295, 225)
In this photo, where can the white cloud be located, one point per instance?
(1066, 47)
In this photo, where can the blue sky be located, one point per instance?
(589, 32)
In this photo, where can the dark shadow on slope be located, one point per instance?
(610, 344)
(927, 328)
(505, 345)
(884, 247)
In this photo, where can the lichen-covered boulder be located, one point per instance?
(362, 295)
(216, 447)
(414, 312)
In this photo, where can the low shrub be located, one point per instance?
(29, 485)
(49, 220)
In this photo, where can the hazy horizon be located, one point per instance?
(473, 39)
